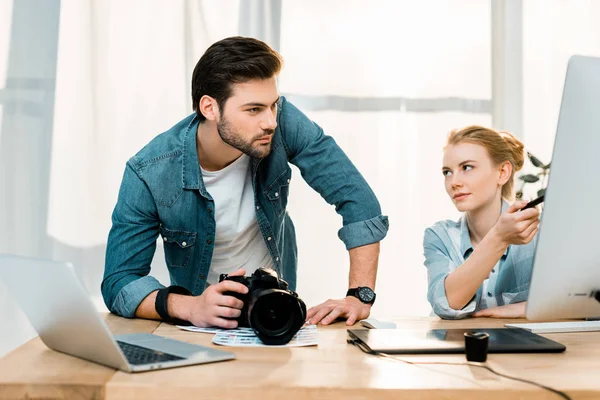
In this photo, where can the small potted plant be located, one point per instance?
(541, 176)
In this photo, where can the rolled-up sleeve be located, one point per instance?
(364, 232)
(439, 264)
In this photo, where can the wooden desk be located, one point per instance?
(334, 370)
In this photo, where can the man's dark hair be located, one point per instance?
(232, 60)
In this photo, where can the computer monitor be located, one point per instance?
(566, 267)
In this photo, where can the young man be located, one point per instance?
(215, 188)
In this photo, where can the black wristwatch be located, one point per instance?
(363, 293)
(160, 304)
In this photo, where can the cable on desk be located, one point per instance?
(478, 365)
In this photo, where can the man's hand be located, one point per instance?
(350, 308)
(213, 307)
(515, 310)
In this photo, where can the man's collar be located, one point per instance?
(191, 169)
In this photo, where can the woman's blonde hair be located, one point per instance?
(501, 146)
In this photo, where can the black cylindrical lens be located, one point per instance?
(276, 316)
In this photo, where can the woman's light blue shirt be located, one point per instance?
(447, 244)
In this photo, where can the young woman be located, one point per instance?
(480, 265)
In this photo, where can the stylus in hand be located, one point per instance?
(533, 203)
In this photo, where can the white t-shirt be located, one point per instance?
(238, 241)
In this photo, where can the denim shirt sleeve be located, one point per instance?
(439, 264)
(327, 169)
(131, 246)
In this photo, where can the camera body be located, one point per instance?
(274, 312)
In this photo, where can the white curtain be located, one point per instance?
(387, 80)
(552, 32)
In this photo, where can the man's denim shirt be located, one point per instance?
(162, 193)
(447, 244)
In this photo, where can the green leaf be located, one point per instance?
(529, 178)
(547, 166)
(519, 195)
(535, 161)
(541, 192)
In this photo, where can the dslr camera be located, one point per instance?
(274, 312)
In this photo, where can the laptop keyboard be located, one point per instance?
(138, 355)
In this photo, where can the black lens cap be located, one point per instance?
(476, 346)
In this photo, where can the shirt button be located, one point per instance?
(202, 276)
(493, 270)
(257, 207)
(288, 181)
(183, 244)
(277, 259)
(269, 238)
(489, 294)
(208, 241)
(209, 210)
(165, 239)
(276, 194)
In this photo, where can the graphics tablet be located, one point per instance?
(448, 341)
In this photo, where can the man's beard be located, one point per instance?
(235, 140)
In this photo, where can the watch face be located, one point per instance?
(366, 295)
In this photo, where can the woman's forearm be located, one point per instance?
(462, 283)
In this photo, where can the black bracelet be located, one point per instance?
(161, 302)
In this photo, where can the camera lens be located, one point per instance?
(274, 313)
(276, 316)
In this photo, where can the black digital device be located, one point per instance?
(274, 312)
(448, 341)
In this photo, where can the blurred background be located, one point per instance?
(85, 84)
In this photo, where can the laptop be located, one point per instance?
(64, 316)
(448, 341)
